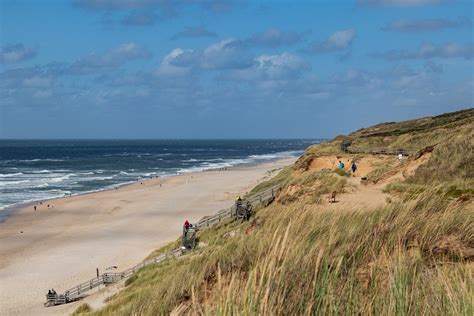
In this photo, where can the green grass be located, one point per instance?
(452, 160)
(415, 134)
(381, 168)
(280, 179)
(83, 309)
(341, 172)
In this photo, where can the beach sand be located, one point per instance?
(62, 246)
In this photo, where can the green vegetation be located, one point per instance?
(326, 148)
(414, 134)
(82, 310)
(309, 186)
(450, 161)
(298, 256)
(341, 172)
(381, 168)
(280, 179)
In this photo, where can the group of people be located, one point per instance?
(35, 207)
(52, 292)
(187, 224)
(353, 166)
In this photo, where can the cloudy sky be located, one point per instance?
(229, 69)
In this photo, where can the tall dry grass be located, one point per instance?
(382, 262)
(407, 258)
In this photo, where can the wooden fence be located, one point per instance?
(379, 151)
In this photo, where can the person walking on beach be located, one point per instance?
(34, 207)
(354, 168)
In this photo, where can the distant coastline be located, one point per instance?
(43, 179)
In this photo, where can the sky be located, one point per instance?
(140, 69)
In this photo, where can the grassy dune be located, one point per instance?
(297, 256)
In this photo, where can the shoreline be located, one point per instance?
(10, 210)
(62, 246)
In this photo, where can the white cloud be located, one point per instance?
(426, 24)
(400, 3)
(167, 69)
(10, 54)
(194, 32)
(111, 59)
(339, 40)
(229, 53)
(429, 50)
(284, 66)
(274, 37)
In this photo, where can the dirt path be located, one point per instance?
(360, 196)
(368, 196)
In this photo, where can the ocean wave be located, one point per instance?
(277, 155)
(8, 175)
(62, 178)
(190, 160)
(10, 183)
(97, 178)
(37, 160)
(41, 171)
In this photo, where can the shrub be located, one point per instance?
(341, 172)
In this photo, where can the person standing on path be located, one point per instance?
(354, 168)
(341, 165)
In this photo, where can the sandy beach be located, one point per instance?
(61, 246)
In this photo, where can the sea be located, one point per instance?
(34, 170)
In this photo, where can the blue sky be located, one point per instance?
(229, 69)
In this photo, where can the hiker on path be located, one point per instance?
(341, 165)
(186, 228)
(354, 168)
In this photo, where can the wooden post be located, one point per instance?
(97, 271)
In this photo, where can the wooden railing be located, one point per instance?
(108, 278)
(379, 151)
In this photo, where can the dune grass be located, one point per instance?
(298, 257)
(406, 258)
(83, 309)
